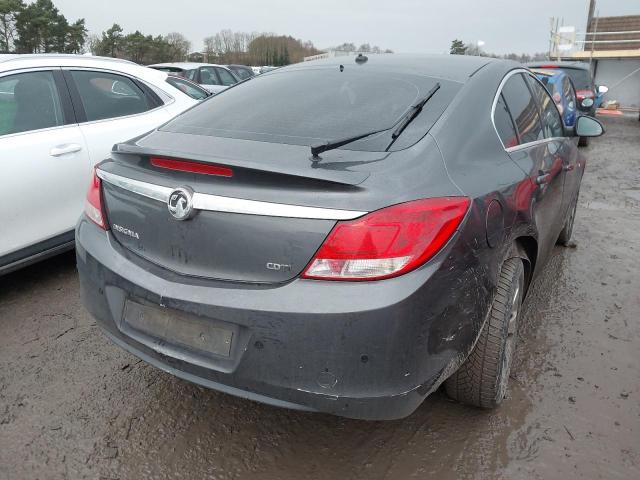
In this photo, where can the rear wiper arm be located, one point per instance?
(316, 150)
(413, 112)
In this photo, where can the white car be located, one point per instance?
(215, 78)
(59, 116)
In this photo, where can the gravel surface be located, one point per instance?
(72, 405)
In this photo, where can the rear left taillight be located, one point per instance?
(93, 203)
(388, 242)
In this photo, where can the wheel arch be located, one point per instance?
(526, 248)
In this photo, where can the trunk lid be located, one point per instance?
(270, 238)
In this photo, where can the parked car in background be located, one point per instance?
(367, 233)
(188, 87)
(59, 115)
(561, 88)
(589, 95)
(214, 78)
(242, 71)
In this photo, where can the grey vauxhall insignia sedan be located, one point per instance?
(337, 236)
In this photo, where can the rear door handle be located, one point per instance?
(59, 150)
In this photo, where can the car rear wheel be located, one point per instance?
(482, 379)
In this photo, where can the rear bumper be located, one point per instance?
(371, 350)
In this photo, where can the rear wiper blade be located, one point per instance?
(316, 150)
(413, 112)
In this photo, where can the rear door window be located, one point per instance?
(106, 95)
(29, 101)
(188, 88)
(551, 120)
(208, 76)
(523, 108)
(226, 77)
(504, 124)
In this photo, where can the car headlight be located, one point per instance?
(587, 102)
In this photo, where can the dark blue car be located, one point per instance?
(561, 88)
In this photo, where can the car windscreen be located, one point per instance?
(581, 78)
(309, 106)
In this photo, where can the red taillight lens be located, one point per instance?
(93, 204)
(388, 242)
(191, 167)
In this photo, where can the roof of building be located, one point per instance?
(614, 41)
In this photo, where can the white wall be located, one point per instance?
(610, 72)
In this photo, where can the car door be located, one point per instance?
(112, 108)
(44, 167)
(538, 155)
(564, 146)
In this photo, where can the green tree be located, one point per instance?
(178, 45)
(457, 47)
(9, 10)
(41, 28)
(111, 42)
(76, 37)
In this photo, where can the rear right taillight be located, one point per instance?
(388, 242)
(93, 203)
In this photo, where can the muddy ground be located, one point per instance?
(72, 405)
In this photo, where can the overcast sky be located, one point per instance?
(408, 26)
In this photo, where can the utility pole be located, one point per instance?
(592, 9)
(552, 22)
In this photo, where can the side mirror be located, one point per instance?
(588, 127)
(603, 89)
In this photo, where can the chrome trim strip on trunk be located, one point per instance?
(216, 203)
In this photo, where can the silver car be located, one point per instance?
(214, 78)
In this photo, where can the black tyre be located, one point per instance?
(482, 379)
(583, 142)
(567, 230)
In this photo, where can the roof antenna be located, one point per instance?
(360, 59)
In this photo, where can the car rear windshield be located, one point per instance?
(309, 106)
(581, 78)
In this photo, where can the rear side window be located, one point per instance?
(523, 108)
(188, 88)
(504, 124)
(551, 120)
(242, 73)
(29, 101)
(226, 77)
(208, 76)
(106, 95)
